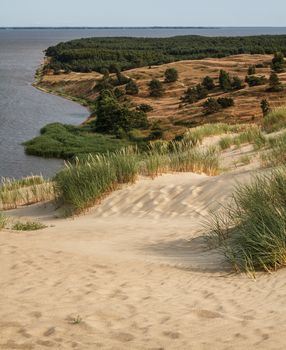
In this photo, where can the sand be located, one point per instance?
(135, 273)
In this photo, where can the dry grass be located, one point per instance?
(247, 101)
(26, 191)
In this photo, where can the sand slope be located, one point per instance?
(138, 273)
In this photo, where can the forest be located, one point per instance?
(122, 53)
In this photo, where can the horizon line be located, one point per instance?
(134, 27)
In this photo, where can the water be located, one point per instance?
(24, 109)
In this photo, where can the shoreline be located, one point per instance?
(36, 84)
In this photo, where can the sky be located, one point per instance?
(138, 13)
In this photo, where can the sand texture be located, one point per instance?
(135, 273)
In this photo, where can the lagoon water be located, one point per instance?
(24, 109)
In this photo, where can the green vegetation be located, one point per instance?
(275, 120)
(3, 221)
(144, 107)
(26, 191)
(265, 107)
(83, 183)
(252, 135)
(66, 141)
(253, 80)
(171, 75)
(226, 83)
(156, 88)
(252, 229)
(196, 135)
(251, 70)
(278, 62)
(275, 155)
(95, 54)
(274, 83)
(194, 94)
(132, 88)
(28, 226)
(211, 106)
(208, 83)
(113, 117)
(225, 102)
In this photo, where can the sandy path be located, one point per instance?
(137, 272)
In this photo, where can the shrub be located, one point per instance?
(156, 88)
(194, 94)
(211, 106)
(252, 229)
(274, 83)
(171, 75)
(201, 92)
(208, 83)
(225, 102)
(237, 83)
(145, 108)
(28, 226)
(112, 116)
(275, 120)
(265, 107)
(131, 88)
(224, 81)
(251, 70)
(254, 80)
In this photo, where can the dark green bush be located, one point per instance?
(156, 88)
(171, 75)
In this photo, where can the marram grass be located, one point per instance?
(251, 231)
(26, 191)
(83, 183)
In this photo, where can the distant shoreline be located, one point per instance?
(144, 27)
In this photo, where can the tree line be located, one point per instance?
(97, 54)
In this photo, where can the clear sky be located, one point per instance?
(142, 13)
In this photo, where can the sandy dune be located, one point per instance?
(138, 274)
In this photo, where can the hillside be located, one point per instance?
(169, 107)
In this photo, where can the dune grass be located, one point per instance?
(28, 226)
(83, 183)
(252, 230)
(196, 135)
(253, 135)
(26, 191)
(275, 120)
(275, 154)
(3, 221)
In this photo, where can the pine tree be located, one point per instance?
(278, 62)
(224, 81)
(208, 83)
(274, 83)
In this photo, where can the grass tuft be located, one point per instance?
(252, 229)
(275, 120)
(28, 226)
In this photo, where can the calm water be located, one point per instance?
(24, 109)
